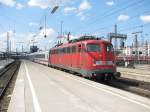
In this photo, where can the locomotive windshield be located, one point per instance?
(93, 48)
(109, 48)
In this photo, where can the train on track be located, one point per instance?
(89, 56)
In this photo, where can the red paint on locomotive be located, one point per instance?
(91, 58)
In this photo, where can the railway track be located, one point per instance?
(6, 76)
(134, 86)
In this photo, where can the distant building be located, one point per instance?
(127, 51)
(148, 49)
(142, 50)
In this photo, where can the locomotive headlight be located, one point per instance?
(110, 63)
(103, 63)
(98, 63)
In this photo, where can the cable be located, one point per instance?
(110, 13)
(129, 28)
(131, 18)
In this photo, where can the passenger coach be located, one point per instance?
(89, 56)
(39, 57)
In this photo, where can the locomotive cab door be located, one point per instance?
(81, 56)
(79, 47)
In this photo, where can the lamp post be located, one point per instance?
(52, 12)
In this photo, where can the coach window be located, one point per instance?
(93, 48)
(42, 55)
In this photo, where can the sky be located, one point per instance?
(23, 19)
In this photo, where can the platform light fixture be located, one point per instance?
(54, 9)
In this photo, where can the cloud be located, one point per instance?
(9, 3)
(3, 40)
(43, 4)
(26, 39)
(79, 10)
(33, 24)
(19, 6)
(39, 3)
(83, 17)
(47, 42)
(110, 3)
(84, 5)
(69, 9)
(145, 18)
(123, 17)
(49, 32)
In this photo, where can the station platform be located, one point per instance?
(137, 74)
(39, 88)
(4, 63)
(143, 66)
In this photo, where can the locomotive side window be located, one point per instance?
(68, 49)
(79, 48)
(109, 48)
(93, 48)
(65, 50)
(73, 49)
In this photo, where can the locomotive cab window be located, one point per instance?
(93, 48)
(109, 48)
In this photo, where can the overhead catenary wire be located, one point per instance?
(111, 25)
(112, 12)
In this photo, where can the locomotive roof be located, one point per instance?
(81, 40)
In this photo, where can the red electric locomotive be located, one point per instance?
(89, 56)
